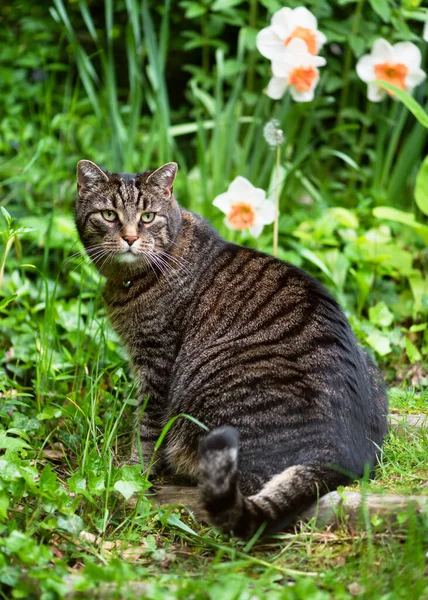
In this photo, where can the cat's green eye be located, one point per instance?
(109, 215)
(147, 217)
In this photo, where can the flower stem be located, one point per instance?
(275, 225)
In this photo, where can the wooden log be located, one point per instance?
(351, 508)
(333, 510)
(407, 421)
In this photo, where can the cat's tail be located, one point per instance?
(280, 501)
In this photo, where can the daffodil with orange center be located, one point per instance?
(245, 207)
(398, 65)
(241, 216)
(299, 73)
(286, 25)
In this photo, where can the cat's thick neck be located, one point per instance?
(175, 269)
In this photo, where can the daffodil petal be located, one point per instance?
(321, 39)
(281, 33)
(284, 17)
(268, 43)
(240, 189)
(256, 230)
(408, 54)
(375, 93)
(257, 198)
(281, 68)
(305, 96)
(296, 51)
(265, 214)
(228, 223)
(415, 77)
(425, 31)
(318, 61)
(382, 51)
(223, 202)
(304, 18)
(365, 68)
(276, 87)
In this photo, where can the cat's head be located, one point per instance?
(126, 222)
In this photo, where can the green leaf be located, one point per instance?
(6, 215)
(381, 8)
(77, 483)
(49, 412)
(177, 522)
(194, 10)
(413, 353)
(357, 44)
(313, 258)
(224, 4)
(421, 187)
(11, 443)
(7, 300)
(379, 342)
(71, 523)
(126, 488)
(381, 315)
(419, 287)
(400, 216)
(345, 217)
(4, 504)
(48, 480)
(96, 483)
(414, 107)
(346, 159)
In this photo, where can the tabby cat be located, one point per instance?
(249, 345)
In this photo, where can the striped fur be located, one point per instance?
(239, 340)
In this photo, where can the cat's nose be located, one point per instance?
(130, 239)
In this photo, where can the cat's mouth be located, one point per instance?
(127, 257)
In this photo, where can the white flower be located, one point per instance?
(286, 25)
(425, 32)
(299, 73)
(245, 207)
(398, 65)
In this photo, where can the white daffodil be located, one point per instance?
(299, 73)
(288, 24)
(245, 207)
(398, 65)
(425, 32)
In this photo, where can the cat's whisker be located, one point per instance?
(110, 254)
(84, 255)
(160, 255)
(149, 263)
(99, 256)
(177, 261)
(157, 262)
(167, 268)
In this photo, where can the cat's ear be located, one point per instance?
(164, 177)
(88, 174)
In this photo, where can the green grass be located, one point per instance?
(59, 478)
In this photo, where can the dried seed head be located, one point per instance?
(273, 134)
